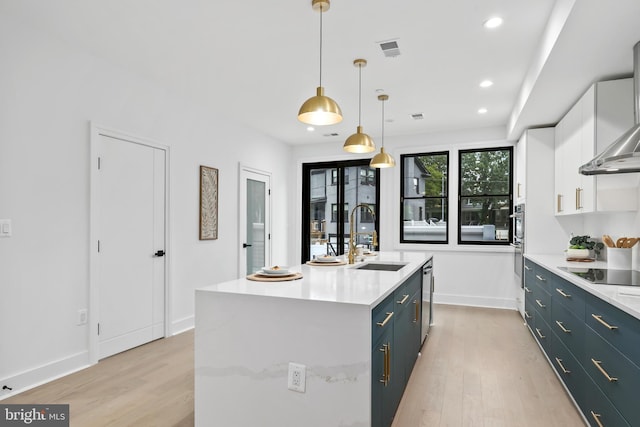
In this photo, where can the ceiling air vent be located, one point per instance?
(417, 116)
(331, 134)
(390, 48)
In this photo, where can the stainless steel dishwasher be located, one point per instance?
(427, 298)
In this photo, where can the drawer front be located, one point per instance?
(569, 295)
(568, 328)
(382, 317)
(543, 278)
(542, 302)
(542, 332)
(617, 327)
(614, 374)
(599, 410)
(529, 272)
(529, 312)
(568, 368)
(413, 283)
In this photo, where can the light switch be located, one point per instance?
(5, 228)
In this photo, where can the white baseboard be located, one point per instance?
(182, 325)
(472, 301)
(43, 374)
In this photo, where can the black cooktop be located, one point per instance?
(604, 276)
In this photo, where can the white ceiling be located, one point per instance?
(258, 61)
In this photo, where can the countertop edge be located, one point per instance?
(608, 293)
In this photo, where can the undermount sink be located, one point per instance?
(381, 266)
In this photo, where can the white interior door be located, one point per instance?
(130, 263)
(255, 220)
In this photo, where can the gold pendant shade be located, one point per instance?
(382, 159)
(320, 110)
(359, 142)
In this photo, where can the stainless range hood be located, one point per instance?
(623, 156)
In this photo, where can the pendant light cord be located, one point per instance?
(321, 12)
(382, 144)
(359, 94)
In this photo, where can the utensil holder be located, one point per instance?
(619, 258)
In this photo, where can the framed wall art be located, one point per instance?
(208, 203)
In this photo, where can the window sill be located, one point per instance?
(454, 248)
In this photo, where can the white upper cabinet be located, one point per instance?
(600, 116)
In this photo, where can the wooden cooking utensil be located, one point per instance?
(620, 242)
(630, 242)
(607, 240)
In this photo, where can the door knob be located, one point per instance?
(159, 253)
(246, 245)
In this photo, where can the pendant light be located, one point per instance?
(382, 159)
(359, 142)
(320, 110)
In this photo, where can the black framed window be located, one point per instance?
(334, 212)
(485, 196)
(424, 197)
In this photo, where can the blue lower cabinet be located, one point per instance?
(568, 328)
(599, 410)
(568, 368)
(529, 311)
(382, 401)
(614, 374)
(542, 332)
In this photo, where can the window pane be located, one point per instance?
(485, 218)
(425, 175)
(485, 172)
(424, 220)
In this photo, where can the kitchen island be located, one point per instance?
(247, 333)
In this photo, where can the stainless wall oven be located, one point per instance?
(518, 242)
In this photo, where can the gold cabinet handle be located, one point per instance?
(386, 374)
(404, 299)
(563, 293)
(603, 372)
(559, 203)
(565, 330)
(596, 417)
(599, 319)
(580, 190)
(577, 198)
(540, 334)
(542, 279)
(386, 319)
(527, 315)
(564, 370)
(527, 290)
(540, 304)
(518, 192)
(526, 267)
(417, 305)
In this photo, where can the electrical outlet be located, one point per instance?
(82, 317)
(297, 377)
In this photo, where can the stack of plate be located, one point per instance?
(275, 271)
(325, 258)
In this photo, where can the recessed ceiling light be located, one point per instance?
(493, 22)
(482, 111)
(310, 129)
(486, 83)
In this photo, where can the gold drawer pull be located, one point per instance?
(526, 267)
(527, 290)
(564, 370)
(404, 299)
(599, 319)
(565, 330)
(527, 315)
(540, 304)
(596, 417)
(416, 303)
(540, 334)
(602, 371)
(561, 292)
(542, 279)
(386, 319)
(559, 203)
(386, 357)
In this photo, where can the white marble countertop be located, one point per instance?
(626, 298)
(339, 284)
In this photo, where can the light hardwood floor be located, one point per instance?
(479, 367)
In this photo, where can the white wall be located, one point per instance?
(50, 93)
(467, 275)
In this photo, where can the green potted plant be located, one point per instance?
(581, 247)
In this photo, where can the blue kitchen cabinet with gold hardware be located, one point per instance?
(592, 346)
(396, 343)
